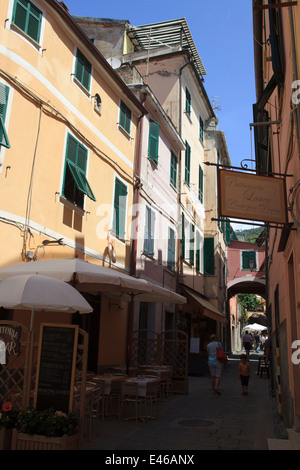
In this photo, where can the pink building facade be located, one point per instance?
(276, 28)
(245, 274)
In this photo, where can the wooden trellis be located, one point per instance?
(167, 348)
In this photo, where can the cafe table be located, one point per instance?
(142, 383)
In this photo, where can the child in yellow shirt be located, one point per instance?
(244, 373)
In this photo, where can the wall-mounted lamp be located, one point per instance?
(251, 264)
(52, 242)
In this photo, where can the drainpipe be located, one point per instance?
(179, 269)
(179, 173)
(136, 200)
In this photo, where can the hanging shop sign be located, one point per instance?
(252, 197)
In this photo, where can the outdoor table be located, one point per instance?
(108, 379)
(142, 383)
(158, 370)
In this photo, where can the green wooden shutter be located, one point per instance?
(200, 189)
(173, 170)
(120, 203)
(246, 257)
(83, 70)
(228, 232)
(198, 254)
(188, 101)
(149, 232)
(153, 140)
(4, 91)
(182, 236)
(75, 167)
(192, 242)
(187, 169)
(209, 256)
(28, 18)
(125, 117)
(201, 129)
(171, 249)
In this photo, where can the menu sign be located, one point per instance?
(56, 367)
(10, 338)
(252, 197)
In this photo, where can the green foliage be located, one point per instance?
(48, 423)
(8, 416)
(249, 235)
(248, 301)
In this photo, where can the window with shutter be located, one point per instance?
(209, 256)
(75, 184)
(171, 249)
(187, 169)
(201, 129)
(28, 18)
(153, 140)
(198, 252)
(83, 70)
(149, 232)
(192, 242)
(182, 236)
(188, 101)
(228, 232)
(125, 117)
(173, 170)
(248, 257)
(120, 204)
(4, 91)
(200, 188)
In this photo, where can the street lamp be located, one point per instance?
(251, 264)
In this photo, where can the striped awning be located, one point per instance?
(170, 34)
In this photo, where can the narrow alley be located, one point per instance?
(201, 420)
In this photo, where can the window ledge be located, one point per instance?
(188, 116)
(151, 257)
(70, 205)
(81, 87)
(16, 29)
(153, 160)
(124, 132)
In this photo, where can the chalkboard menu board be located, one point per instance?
(56, 367)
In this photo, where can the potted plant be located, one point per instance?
(8, 420)
(45, 430)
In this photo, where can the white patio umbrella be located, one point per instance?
(254, 327)
(36, 292)
(89, 277)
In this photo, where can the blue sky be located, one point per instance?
(222, 32)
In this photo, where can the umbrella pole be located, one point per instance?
(32, 319)
(129, 332)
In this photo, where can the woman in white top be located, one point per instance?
(215, 366)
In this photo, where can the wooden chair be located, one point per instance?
(130, 400)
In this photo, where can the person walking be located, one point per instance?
(247, 342)
(215, 366)
(244, 373)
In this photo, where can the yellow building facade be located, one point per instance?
(68, 142)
